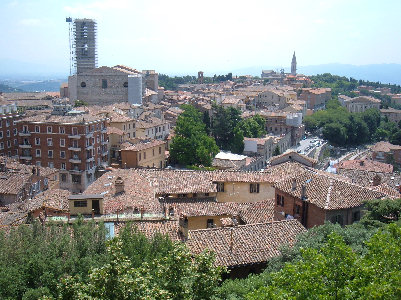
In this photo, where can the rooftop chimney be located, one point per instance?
(304, 196)
(119, 184)
(294, 184)
(377, 180)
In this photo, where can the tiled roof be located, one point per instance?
(325, 191)
(55, 199)
(245, 244)
(292, 154)
(47, 118)
(385, 147)
(12, 218)
(258, 212)
(143, 145)
(366, 165)
(150, 228)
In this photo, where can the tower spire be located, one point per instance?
(294, 65)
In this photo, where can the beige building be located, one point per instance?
(393, 115)
(359, 104)
(145, 154)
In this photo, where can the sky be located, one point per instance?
(215, 36)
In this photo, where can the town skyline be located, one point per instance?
(178, 38)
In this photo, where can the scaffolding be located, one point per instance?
(82, 42)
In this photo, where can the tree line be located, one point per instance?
(198, 138)
(172, 82)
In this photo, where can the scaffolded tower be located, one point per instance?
(83, 45)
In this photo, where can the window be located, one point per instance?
(1, 124)
(337, 219)
(144, 155)
(38, 153)
(8, 144)
(62, 154)
(8, 123)
(210, 223)
(76, 178)
(50, 153)
(49, 142)
(38, 163)
(61, 130)
(83, 84)
(49, 129)
(254, 188)
(15, 131)
(160, 150)
(15, 142)
(51, 165)
(63, 166)
(220, 186)
(37, 128)
(8, 133)
(62, 142)
(1, 134)
(153, 151)
(80, 203)
(75, 130)
(63, 177)
(25, 129)
(140, 156)
(280, 200)
(37, 141)
(104, 83)
(125, 84)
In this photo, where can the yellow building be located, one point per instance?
(146, 154)
(86, 204)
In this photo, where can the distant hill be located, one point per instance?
(8, 89)
(384, 73)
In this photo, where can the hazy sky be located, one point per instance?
(177, 37)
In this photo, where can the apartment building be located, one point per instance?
(315, 98)
(8, 129)
(359, 104)
(75, 144)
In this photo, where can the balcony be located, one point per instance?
(89, 147)
(73, 148)
(25, 157)
(89, 159)
(75, 160)
(76, 170)
(105, 153)
(105, 142)
(25, 146)
(89, 135)
(24, 133)
(74, 136)
(104, 130)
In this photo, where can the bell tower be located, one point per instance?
(294, 65)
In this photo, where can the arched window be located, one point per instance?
(83, 84)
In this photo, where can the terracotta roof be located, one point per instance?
(150, 228)
(325, 191)
(366, 165)
(143, 145)
(55, 199)
(114, 130)
(385, 147)
(245, 244)
(258, 212)
(293, 154)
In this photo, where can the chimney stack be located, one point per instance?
(377, 180)
(119, 185)
(304, 196)
(294, 184)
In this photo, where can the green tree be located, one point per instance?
(191, 145)
(335, 133)
(224, 122)
(237, 144)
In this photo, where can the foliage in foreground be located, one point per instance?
(314, 257)
(77, 262)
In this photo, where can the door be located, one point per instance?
(96, 207)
